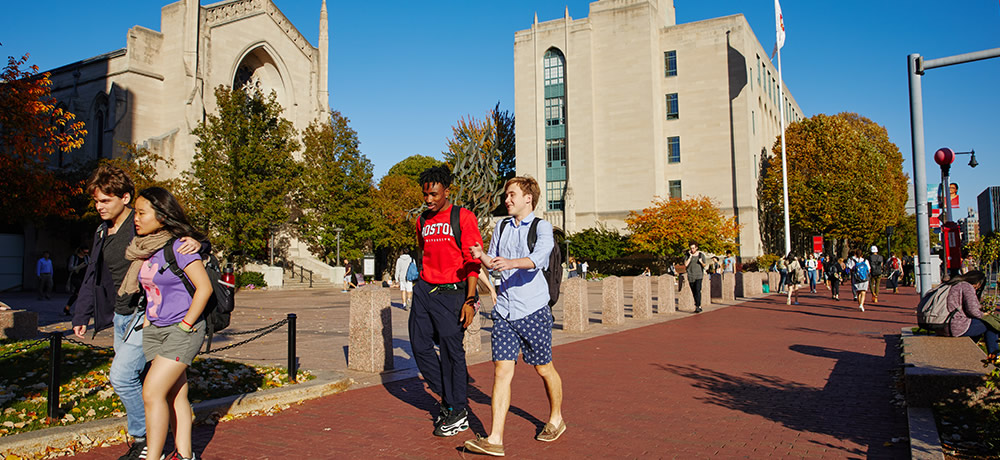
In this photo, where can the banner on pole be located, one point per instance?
(817, 244)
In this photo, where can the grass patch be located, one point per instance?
(85, 393)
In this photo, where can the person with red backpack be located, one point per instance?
(444, 298)
(521, 250)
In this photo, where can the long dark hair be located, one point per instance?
(972, 277)
(170, 213)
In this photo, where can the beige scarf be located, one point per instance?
(140, 249)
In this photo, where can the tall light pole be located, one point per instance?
(338, 230)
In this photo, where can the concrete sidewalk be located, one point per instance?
(755, 379)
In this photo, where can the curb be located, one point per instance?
(99, 432)
(925, 443)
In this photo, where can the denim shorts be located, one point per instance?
(530, 336)
(172, 343)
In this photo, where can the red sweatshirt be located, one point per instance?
(443, 263)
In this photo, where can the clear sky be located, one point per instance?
(405, 71)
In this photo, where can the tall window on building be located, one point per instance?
(674, 149)
(672, 108)
(555, 129)
(675, 189)
(670, 63)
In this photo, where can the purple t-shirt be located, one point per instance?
(167, 300)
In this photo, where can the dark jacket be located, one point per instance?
(98, 293)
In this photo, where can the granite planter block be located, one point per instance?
(715, 283)
(757, 284)
(613, 303)
(685, 299)
(18, 324)
(773, 281)
(740, 288)
(473, 340)
(642, 297)
(370, 341)
(666, 292)
(575, 305)
(749, 284)
(706, 291)
(728, 286)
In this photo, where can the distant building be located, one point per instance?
(989, 211)
(970, 227)
(625, 105)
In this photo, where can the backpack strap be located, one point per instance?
(533, 234)
(456, 226)
(168, 254)
(503, 224)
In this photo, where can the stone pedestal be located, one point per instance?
(370, 343)
(757, 281)
(706, 291)
(773, 281)
(473, 340)
(642, 297)
(728, 286)
(685, 299)
(666, 292)
(613, 301)
(18, 324)
(575, 305)
(715, 281)
(749, 284)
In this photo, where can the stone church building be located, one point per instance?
(157, 88)
(626, 105)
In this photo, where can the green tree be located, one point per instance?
(412, 166)
(336, 191)
(504, 140)
(394, 198)
(243, 172)
(598, 244)
(32, 129)
(845, 182)
(665, 228)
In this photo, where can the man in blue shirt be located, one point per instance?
(43, 269)
(522, 321)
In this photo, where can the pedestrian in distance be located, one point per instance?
(113, 191)
(572, 267)
(860, 270)
(173, 328)
(895, 271)
(522, 320)
(348, 276)
(444, 298)
(876, 262)
(796, 274)
(968, 319)
(43, 270)
(77, 266)
(834, 273)
(783, 274)
(812, 272)
(583, 269)
(696, 264)
(729, 262)
(405, 286)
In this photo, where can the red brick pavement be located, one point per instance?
(752, 380)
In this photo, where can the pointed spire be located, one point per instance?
(567, 12)
(324, 61)
(536, 18)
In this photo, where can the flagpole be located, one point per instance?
(784, 158)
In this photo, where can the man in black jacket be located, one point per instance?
(98, 299)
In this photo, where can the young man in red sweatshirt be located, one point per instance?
(444, 299)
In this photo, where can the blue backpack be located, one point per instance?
(860, 272)
(412, 273)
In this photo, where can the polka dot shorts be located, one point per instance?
(531, 336)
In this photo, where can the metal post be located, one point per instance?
(923, 269)
(946, 191)
(310, 279)
(292, 370)
(55, 355)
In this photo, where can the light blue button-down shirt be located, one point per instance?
(522, 292)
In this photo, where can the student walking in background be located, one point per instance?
(43, 269)
(696, 264)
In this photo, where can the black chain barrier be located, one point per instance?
(54, 340)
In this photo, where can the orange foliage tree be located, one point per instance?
(32, 128)
(666, 227)
(395, 196)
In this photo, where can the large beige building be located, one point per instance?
(625, 105)
(159, 87)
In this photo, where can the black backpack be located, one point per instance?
(553, 274)
(220, 305)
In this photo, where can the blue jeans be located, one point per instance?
(126, 371)
(978, 328)
(812, 279)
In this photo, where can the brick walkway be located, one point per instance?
(756, 379)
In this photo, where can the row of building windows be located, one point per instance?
(670, 63)
(555, 133)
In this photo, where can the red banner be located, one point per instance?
(817, 244)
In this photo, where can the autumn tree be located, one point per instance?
(412, 166)
(32, 129)
(598, 244)
(665, 228)
(243, 172)
(845, 181)
(395, 197)
(336, 191)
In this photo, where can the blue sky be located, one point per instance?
(404, 72)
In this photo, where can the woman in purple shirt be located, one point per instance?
(963, 299)
(173, 329)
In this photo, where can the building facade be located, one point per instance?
(970, 227)
(989, 211)
(157, 88)
(625, 105)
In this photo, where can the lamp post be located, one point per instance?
(888, 239)
(338, 230)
